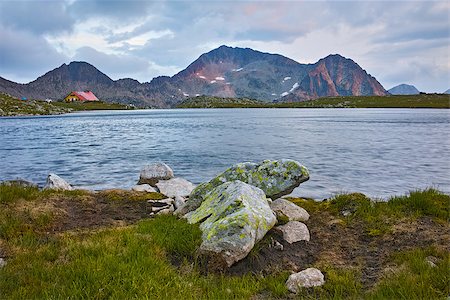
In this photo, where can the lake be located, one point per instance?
(379, 152)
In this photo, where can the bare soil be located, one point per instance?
(340, 245)
(99, 210)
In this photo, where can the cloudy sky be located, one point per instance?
(397, 42)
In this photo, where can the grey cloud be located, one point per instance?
(38, 17)
(24, 56)
(120, 10)
(118, 66)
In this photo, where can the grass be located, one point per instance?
(414, 278)
(377, 217)
(218, 102)
(397, 101)
(137, 261)
(97, 105)
(11, 106)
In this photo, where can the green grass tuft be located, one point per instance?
(176, 236)
(415, 278)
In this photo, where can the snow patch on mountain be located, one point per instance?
(296, 85)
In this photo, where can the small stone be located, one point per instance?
(166, 211)
(346, 213)
(167, 201)
(2, 262)
(151, 174)
(158, 208)
(294, 231)
(306, 278)
(19, 182)
(432, 261)
(144, 188)
(175, 187)
(179, 201)
(288, 211)
(277, 245)
(54, 182)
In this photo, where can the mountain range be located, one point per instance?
(223, 72)
(404, 89)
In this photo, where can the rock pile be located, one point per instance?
(159, 177)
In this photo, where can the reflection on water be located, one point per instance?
(379, 152)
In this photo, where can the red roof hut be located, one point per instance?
(81, 96)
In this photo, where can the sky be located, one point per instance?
(396, 42)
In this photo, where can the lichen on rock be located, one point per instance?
(275, 177)
(233, 216)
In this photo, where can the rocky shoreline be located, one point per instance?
(235, 209)
(248, 224)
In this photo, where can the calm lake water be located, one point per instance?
(379, 152)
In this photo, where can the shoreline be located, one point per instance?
(365, 249)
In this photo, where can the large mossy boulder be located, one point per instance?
(233, 216)
(275, 177)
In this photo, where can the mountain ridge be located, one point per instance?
(404, 89)
(222, 72)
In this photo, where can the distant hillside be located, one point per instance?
(391, 101)
(447, 91)
(222, 72)
(404, 89)
(219, 102)
(11, 106)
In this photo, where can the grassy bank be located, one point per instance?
(97, 105)
(103, 245)
(10, 106)
(397, 101)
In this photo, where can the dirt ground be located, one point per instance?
(99, 210)
(341, 245)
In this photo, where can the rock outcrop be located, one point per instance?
(275, 177)
(151, 174)
(233, 216)
(288, 211)
(306, 278)
(54, 182)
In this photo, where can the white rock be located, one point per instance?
(294, 231)
(144, 188)
(158, 208)
(166, 211)
(175, 187)
(306, 278)
(2, 262)
(286, 210)
(167, 201)
(151, 174)
(179, 201)
(54, 182)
